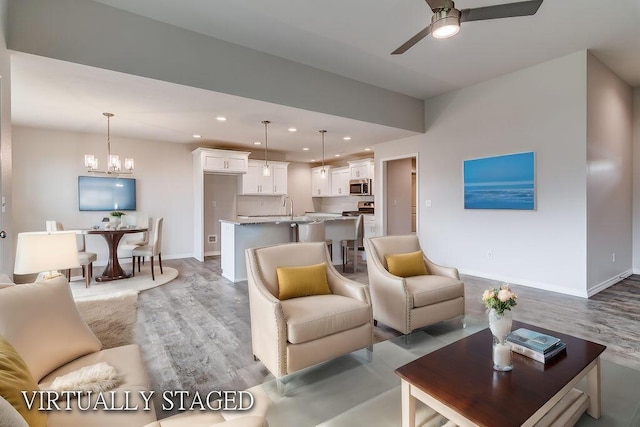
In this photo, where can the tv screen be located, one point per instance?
(106, 193)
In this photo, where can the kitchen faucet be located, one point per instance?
(284, 203)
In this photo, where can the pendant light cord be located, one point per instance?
(265, 122)
(323, 132)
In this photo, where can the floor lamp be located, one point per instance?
(47, 252)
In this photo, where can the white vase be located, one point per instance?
(114, 221)
(500, 326)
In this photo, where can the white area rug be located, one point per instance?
(140, 282)
(111, 317)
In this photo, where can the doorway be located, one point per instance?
(400, 195)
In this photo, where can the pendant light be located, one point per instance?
(266, 171)
(113, 160)
(323, 171)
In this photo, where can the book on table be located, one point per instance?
(536, 345)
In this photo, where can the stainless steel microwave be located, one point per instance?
(360, 187)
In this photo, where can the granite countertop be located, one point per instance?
(282, 219)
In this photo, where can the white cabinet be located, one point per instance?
(369, 223)
(255, 183)
(223, 161)
(340, 181)
(320, 187)
(362, 169)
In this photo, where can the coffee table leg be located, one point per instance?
(593, 384)
(408, 406)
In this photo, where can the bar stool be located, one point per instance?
(356, 244)
(315, 232)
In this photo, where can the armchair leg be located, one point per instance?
(282, 385)
(370, 354)
(406, 338)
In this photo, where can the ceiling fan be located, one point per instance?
(446, 19)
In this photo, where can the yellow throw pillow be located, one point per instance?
(304, 281)
(406, 265)
(15, 378)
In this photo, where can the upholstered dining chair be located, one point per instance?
(355, 245)
(151, 249)
(409, 291)
(86, 258)
(303, 312)
(128, 244)
(315, 232)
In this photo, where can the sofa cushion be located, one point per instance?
(318, 316)
(294, 282)
(127, 360)
(43, 324)
(9, 417)
(406, 264)
(15, 378)
(430, 289)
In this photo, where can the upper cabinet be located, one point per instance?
(320, 187)
(340, 181)
(361, 169)
(256, 184)
(222, 161)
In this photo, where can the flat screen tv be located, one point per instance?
(106, 193)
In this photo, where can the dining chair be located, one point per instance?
(356, 245)
(86, 258)
(131, 241)
(152, 248)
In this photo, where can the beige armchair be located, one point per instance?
(409, 303)
(292, 334)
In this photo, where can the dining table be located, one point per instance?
(114, 271)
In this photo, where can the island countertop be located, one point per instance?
(286, 219)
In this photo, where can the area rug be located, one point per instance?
(139, 282)
(349, 391)
(111, 317)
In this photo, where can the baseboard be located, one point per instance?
(529, 283)
(212, 253)
(607, 283)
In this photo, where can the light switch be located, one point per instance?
(427, 203)
(214, 204)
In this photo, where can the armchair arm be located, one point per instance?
(440, 270)
(340, 285)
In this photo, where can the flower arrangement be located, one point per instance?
(117, 214)
(500, 299)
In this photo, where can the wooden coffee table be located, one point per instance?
(458, 381)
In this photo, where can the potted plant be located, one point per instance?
(116, 217)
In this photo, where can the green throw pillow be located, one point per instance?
(406, 265)
(304, 281)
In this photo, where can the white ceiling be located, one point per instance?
(351, 38)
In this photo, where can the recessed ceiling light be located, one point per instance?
(292, 130)
(257, 143)
(336, 155)
(305, 149)
(221, 119)
(367, 149)
(196, 136)
(347, 138)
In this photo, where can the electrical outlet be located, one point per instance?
(212, 238)
(214, 204)
(489, 255)
(427, 203)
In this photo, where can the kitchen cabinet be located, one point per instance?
(223, 161)
(340, 181)
(320, 187)
(361, 169)
(254, 183)
(369, 224)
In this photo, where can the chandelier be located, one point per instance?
(113, 160)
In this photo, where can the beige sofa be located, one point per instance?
(293, 334)
(41, 322)
(409, 303)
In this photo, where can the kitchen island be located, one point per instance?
(251, 232)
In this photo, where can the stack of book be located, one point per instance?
(536, 345)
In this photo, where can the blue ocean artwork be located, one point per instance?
(501, 182)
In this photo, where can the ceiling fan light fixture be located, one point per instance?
(445, 23)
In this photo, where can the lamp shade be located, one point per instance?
(46, 251)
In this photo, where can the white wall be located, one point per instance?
(540, 109)
(45, 184)
(609, 176)
(6, 223)
(636, 181)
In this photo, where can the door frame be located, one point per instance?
(384, 192)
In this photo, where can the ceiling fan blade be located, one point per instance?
(413, 40)
(508, 10)
(440, 4)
